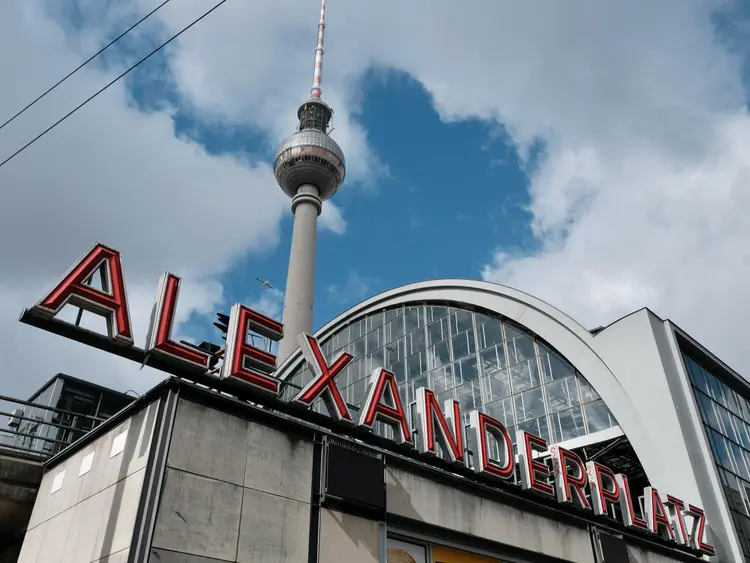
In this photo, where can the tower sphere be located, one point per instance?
(310, 156)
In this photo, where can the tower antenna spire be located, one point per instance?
(318, 74)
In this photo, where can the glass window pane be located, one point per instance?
(417, 341)
(562, 394)
(463, 320)
(413, 318)
(707, 406)
(726, 420)
(463, 344)
(529, 405)
(553, 365)
(375, 320)
(721, 453)
(731, 401)
(496, 386)
(416, 365)
(469, 396)
(469, 370)
(489, 330)
(435, 313)
(537, 427)
(374, 339)
(587, 392)
(566, 425)
(521, 348)
(439, 355)
(739, 461)
(524, 375)
(598, 416)
(694, 372)
(734, 492)
(489, 360)
(502, 411)
(394, 329)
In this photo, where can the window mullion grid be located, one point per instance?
(475, 328)
(506, 351)
(542, 384)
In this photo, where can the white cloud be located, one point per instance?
(270, 303)
(639, 198)
(114, 174)
(639, 195)
(354, 289)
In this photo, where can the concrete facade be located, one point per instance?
(87, 505)
(212, 480)
(230, 499)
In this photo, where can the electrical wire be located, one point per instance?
(112, 82)
(87, 61)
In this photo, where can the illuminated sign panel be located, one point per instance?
(564, 476)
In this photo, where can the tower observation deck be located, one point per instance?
(309, 167)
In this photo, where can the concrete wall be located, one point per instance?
(642, 351)
(630, 348)
(86, 507)
(345, 538)
(415, 497)
(234, 490)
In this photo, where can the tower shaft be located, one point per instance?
(309, 167)
(300, 282)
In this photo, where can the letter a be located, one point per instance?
(109, 302)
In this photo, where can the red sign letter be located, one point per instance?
(449, 432)
(529, 466)
(384, 403)
(109, 302)
(676, 507)
(570, 487)
(629, 517)
(697, 535)
(239, 352)
(655, 514)
(481, 425)
(602, 493)
(159, 341)
(324, 382)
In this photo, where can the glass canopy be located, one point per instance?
(480, 359)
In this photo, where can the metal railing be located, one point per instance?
(30, 429)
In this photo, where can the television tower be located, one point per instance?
(309, 167)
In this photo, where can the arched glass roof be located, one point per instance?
(480, 359)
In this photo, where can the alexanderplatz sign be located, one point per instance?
(590, 486)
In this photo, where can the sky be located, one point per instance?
(594, 154)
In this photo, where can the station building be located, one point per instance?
(194, 474)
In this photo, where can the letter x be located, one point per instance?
(324, 383)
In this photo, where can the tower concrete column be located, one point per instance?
(309, 167)
(300, 281)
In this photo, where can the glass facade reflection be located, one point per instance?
(726, 419)
(479, 359)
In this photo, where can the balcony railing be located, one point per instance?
(39, 431)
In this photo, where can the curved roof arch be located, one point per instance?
(562, 332)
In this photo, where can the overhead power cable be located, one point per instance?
(87, 61)
(112, 82)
